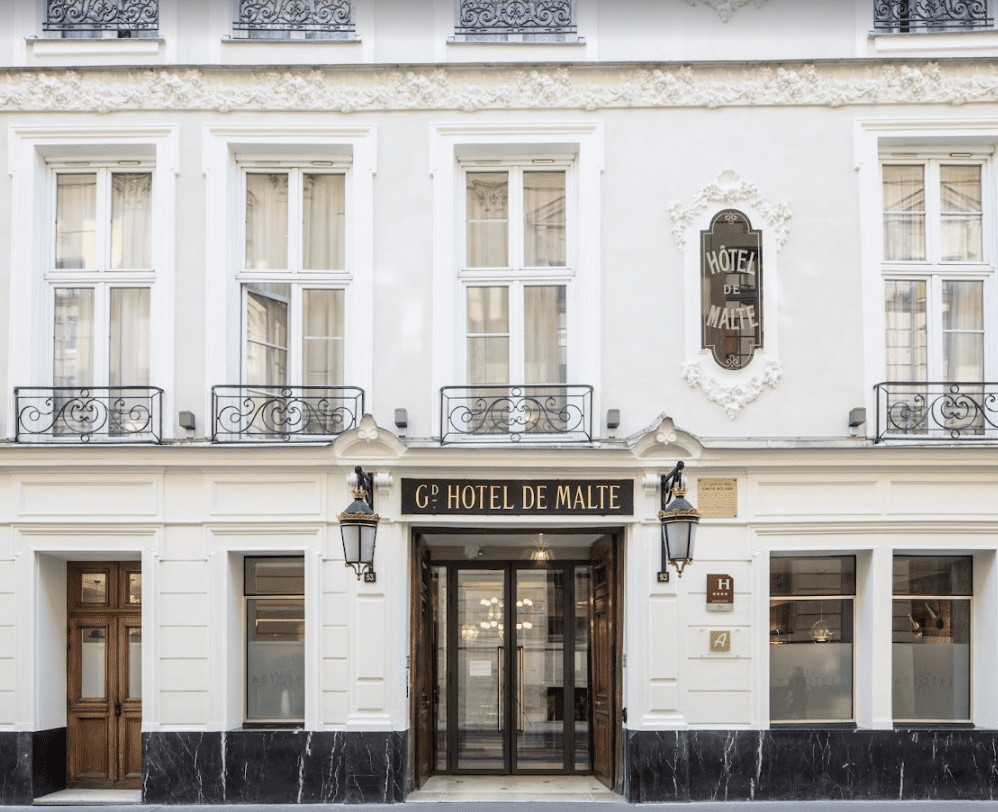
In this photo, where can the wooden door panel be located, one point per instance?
(130, 748)
(604, 663)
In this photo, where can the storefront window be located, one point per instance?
(931, 638)
(811, 635)
(275, 639)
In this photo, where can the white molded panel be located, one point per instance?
(183, 576)
(184, 610)
(719, 674)
(371, 635)
(8, 641)
(335, 675)
(184, 544)
(335, 707)
(822, 498)
(183, 675)
(336, 609)
(104, 498)
(8, 708)
(923, 498)
(8, 675)
(276, 497)
(178, 642)
(662, 639)
(724, 708)
(183, 708)
(371, 696)
(663, 697)
(335, 642)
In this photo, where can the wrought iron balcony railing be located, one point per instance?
(913, 16)
(526, 414)
(286, 19)
(89, 414)
(515, 17)
(94, 17)
(937, 411)
(250, 414)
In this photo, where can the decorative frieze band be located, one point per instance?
(500, 88)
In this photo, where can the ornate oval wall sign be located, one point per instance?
(731, 289)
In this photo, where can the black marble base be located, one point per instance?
(274, 767)
(805, 765)
(48, 761)
(15, 768)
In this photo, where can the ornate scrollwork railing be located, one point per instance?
(286, 16)
(930, 15)
(526, 414)
(89, 414)
(515, 17)
(250, 414)
(101, 15)
(936, 411)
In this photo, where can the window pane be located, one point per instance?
(545, 334)
(488, 335)
(134, 587)
(134, 665)
(960, 188)
(275, 659)
(324, 221)
(266, 333)
(488, 310)
(488, 360)
(280, 575)
(931, 659)
(129, 337)
(960, 191)
(93, 672)
(963, 331)
(131, 220)
(75, 221)
(828, 575)
(488, 220)
(544, 219)
(74, 337)
(267, 221)
(810, 660)
(933, 575)
(322, 339)
(904, 233)
(907, 335)
(93, 588)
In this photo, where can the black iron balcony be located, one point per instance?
(914, 16)
(515, 17)
(521, 413)
(286, 19)
(93, 17)
(250, 414)
(937, 411)
(89, 414)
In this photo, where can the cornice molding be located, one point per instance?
(726, 8)
(496, 87)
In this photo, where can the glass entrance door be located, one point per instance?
(513, 676)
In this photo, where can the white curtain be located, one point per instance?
(130, 337)
(73, 364)
(545, 350)
(324, 222)
(266, 221)
(960, 197)
(907, 338)
(904, 213)
(322, 337)
(131, 220)
(488, 219)
(544, 219)
(963, 331)
(75, 221)
(488, 335)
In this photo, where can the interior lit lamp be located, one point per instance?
(820, 631)
(541, 553)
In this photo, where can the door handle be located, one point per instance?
(117, 709)
(523, 717)
(501, 688)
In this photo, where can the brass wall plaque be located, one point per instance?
(717, 498)
(720, 641)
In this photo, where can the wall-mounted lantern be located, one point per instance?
(359, 528)
(679, 523)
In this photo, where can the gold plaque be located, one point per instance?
(717, 498)
(720, 642)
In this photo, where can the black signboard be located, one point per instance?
(533, 497)
(731, 289)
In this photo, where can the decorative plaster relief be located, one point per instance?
(725, 8)
(735, 396)
(730, 190)
(580, 87)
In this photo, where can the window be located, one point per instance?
(931, 638)
(811, 635)
(517, 276)
(111, 19)
(301, 19)
(515, 20)
(274, 589)
(908, 16)
(936, 292)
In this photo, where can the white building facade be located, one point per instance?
(513, 261)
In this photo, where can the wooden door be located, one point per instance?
(604, 666)
(425, 659)
(104, 680)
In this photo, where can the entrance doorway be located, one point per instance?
(516, 667)
(104, 679)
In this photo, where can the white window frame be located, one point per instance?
(457, 149)
(36, 153)
(229, 153)
(889, 141)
